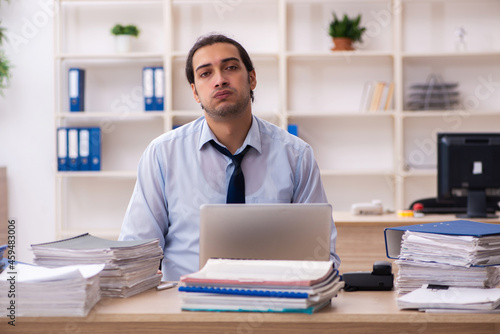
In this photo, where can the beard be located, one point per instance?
(228, 110)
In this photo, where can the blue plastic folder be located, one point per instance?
(393, 235)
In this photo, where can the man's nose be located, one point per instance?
(220, 80)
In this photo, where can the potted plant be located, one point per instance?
(123, 36)
(346, 31)
(4, 64)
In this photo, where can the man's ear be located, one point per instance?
(252, 78)
(195, 94)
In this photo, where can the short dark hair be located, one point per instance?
(210, 40)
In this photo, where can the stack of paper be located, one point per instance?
(35, 291)
(413, 274)
(429, 297)
(3, 263)
(260, 286)
(130, 266)
(458, 253)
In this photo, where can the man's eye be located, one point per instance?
(204, 74)
(232, 67)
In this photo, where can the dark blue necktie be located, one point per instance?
(236, 188)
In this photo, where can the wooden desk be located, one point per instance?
(351, 312)
(360, 239)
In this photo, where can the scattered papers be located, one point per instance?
(451, 298)
(130, 266)
(45, 292)
(260, 286)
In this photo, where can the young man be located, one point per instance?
(194, 164)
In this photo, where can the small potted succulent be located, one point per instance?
(346, 31)
(123, 36)
(5, 67)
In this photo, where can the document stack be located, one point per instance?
(260, 286)
(3, 263)
(130, 266)
(461, 253)
(34, 291)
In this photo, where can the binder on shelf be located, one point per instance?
(76, 86)
(72, 149)
(148, 88)
(293, 129)
(95, 149)
(393, 235)
(62, 149)
(78, 149)
(159, 88)
(83, 149)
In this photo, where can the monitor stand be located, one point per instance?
(476, 205)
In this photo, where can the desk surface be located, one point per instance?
(351, 312)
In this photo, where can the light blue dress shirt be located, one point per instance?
(179, 171)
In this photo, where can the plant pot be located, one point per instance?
(123, 43)
(342, 44)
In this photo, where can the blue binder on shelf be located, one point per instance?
(148, 88)
(84, 149)
(62, 149)
(76, 87)
(73, 161)
(159, 88)
(393, 235)
(293, 129)
(94, 149)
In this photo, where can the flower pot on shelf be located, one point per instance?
(123, 43)
(342, 44)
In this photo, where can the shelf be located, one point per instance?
(111, 115)
(441, 113)
(338, 54)
(334, 114)
(424, 55)
(110, 56)
(97, 174)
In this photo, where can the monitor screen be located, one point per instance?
(469, 170)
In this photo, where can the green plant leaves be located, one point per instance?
(347, 27)
(119, 29)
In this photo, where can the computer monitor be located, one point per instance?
(469, 171)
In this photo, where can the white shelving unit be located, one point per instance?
(387, 155)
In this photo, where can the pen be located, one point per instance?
(166, 285)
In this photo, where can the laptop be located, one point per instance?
(265, 231)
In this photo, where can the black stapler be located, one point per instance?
(381, 278)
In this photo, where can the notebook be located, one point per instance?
(265, 231)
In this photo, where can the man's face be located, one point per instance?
(222, 84)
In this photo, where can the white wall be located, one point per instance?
(26, 122)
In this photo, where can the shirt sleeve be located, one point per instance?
(309, 189)
(146, 216)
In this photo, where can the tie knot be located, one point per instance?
(237, 158)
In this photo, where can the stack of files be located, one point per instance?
(413, 274)
(3, 262)
(458, 253)
(131, 267)
(430, 297)
(49, 292)
(260, 286)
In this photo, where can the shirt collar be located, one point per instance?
(253, 138)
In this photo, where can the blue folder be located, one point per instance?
(393, 235)
(62, 149)
(94, 149)
(76, 85)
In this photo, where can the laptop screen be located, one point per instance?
(297, 231)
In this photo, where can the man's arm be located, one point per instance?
(146, 216)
